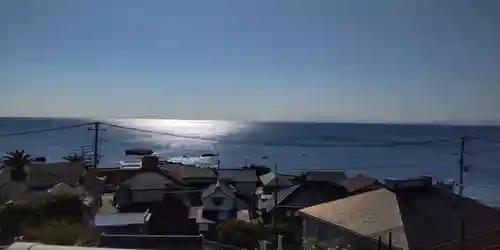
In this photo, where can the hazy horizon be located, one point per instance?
(416, 61)
(438, 123)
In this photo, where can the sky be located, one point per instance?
(322, 60)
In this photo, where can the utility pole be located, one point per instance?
(275, 199)
(96, 130)
(463, 169)
(461, 162)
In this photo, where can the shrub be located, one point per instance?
(18, 219)
(58, 233)
(240, 233)
(66, 207)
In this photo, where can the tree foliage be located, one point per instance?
(17, 160)
(240, 233)
(64, 207)
(58, 232)
(34, 220)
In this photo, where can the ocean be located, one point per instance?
(379, 150)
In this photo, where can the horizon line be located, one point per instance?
(359, 121)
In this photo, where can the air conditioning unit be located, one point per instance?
(421, 181)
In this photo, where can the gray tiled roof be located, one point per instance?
(305, 195)
(188, 171)
(282, 195)
(149, 180)
(418, 218)
(42, 176)
(238, 175)
(272, 179)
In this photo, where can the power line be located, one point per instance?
(382, 144)
(156, 132)
(485, 140)
(45, 130)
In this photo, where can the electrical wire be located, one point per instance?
(156, 132)
(384, 144)
(484, 140)
(45, 130)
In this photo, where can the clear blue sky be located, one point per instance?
(389, 60)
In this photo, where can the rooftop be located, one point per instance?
(238, 175)
(417, 217)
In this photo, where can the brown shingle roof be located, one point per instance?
(419, 218)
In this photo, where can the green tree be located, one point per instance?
(58, 232)
(241, 233)
(17, 161)
(64, 207)
(73, 158)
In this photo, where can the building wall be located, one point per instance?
(227, 203)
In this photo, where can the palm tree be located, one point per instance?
(73, 158)
(17, 160)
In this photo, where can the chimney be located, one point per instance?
(150, 162)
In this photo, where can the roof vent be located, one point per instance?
(421, 181)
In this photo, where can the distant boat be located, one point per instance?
(209, 155)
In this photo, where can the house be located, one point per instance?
(220, 202)
(360, 184)
(193, 176)
(272, 182)
(174, 209)
(410, 214)
(147, 187)
(41, 177)
(45, 180)
(244, 180)
(204, 225)
(296, 197)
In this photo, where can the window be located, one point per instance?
(217, 201)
